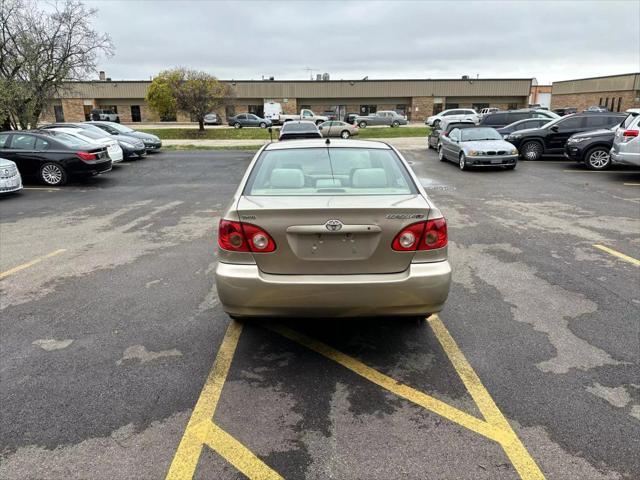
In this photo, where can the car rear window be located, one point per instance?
(69, 140)
(629, 120)
(495, 119)
(299, 127)
(329, 171)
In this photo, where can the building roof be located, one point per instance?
(611, 83)
(277, 89)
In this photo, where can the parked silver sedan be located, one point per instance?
(10, 179)
(335, 128)
(383, 117)
(477, 147)
(323, 230)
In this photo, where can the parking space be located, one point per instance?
(118, 361)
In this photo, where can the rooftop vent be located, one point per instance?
(102, 76)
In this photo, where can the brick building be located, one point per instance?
(415, 98)
(615, 92)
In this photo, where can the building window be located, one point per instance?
(59, 113)
(437, 108)
(512, 106)
(619, 102)
(449, 106)
(479, 106)
(368, 109)
(600, 102)
(401, 109)
(135, 113)
(256, 110)
(303, 107)
(606, 102)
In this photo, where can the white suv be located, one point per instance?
(464, 114)
(626, 143)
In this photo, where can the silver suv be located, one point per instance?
(626, 143)
(101, 114)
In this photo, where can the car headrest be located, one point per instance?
(287, 178)
(369, 178)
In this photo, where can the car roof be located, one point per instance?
(321, 142)
(633, 111)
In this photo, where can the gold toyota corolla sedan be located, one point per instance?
(338, 228)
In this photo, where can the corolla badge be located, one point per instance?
(333, 225)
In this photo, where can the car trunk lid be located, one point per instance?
(333, 234)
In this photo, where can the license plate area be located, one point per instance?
(333, 246)
(496, 161)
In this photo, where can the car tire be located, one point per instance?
(462, 162)
(52, 174)
(237, 125)
(395, 124)
(531, 150)
(435, 123)
(263, 125)
(441, 154)
(362, 124)
(598, 158)
(345, 134)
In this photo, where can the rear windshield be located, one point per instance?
(334, 171)
(92, 134)
(299, 127)
(69, 140)
(629, 120)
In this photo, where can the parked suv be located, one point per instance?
(626, 143)
(565, 111)
(502, 119)
(99, 114)
(454, 114)
(552, 137)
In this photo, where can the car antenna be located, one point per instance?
(327, 142)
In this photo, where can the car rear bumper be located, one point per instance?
(624, 158)
(244, 290)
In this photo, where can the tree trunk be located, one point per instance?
(201, 124)
(6, 124)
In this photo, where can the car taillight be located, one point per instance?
(444, 134)
(86, 156)
(244, 237)
(427, 235)
(630, 133)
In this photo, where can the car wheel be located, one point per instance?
(395, 124)
(441, 154)
(263, 125)
(598, 158)
(435, 123)
(53, 174)
(531, 151)
(237, 125)
(362, 124)
(345, 134)
(462, 162)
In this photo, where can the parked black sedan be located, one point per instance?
(53, 156)
(591, 148)
(552, 137)
(248, 120)
(151, 142)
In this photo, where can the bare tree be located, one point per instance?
(40, 49)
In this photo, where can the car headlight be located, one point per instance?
(475, 153)
(578, 139)
(514, 151)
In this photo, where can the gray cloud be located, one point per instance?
(383, 39)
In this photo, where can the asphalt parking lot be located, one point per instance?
(116, 360)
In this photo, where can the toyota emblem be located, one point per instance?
(333, 225)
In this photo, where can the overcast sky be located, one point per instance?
(548, 40)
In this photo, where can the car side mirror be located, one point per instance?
(555, 128)
(319, 128)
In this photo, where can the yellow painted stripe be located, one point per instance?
(419, 398)
(237, 454)
(601, 171)
(31, 263)
(186, 457)
(524, 464)
(622, 256)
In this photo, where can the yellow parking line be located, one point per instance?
(202, 431)
(512, 446)
(31, 263)
(419, 398)
(621, 256)
(632, 184)
(601, 171)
